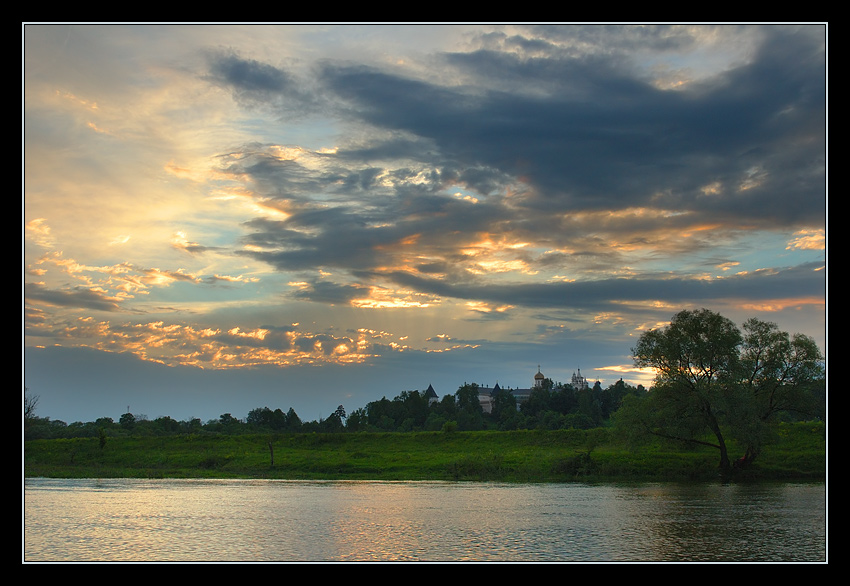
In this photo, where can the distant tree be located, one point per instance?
(228, 423)
(265, 418)
(356, 420)
(193, 425)
(30, 404)
(539, 401)
(447, 406)
(469, 414)
(563, 399)
(434, 421)
(415, 409)
(293, 422)
(105, 422)
(589, 405)
(165, 425)
(466, 398)
(127, 421)
(260, 416)
(504, 413)
(550, 419)
(333, 424)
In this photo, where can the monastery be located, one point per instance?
(486, 395)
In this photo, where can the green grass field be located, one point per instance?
(519, 456)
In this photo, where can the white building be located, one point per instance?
(578, 382)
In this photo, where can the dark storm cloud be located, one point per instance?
(597, 135)
(257, 84)
(248, 77)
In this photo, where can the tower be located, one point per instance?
(538, 378)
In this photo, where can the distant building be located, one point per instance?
(578, 382)
(431, 395)
(486, 395)
(538, 378)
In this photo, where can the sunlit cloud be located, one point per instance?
(382, 298)
(38, 231)
(643, 376)
(777, 305)
(207, 348)
(483, 307)
(808, 240)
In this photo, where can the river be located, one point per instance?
(301, 521)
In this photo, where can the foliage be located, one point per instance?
(715, 384)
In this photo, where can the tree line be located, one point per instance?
(258, 420)
(551, 406)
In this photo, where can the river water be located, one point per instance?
(300, 521)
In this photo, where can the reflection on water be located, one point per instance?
(232, 520)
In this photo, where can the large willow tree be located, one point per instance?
(715, 383)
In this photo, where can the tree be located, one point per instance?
(780, 373)
(469, 414)
(356, 420)
(293, 422)
(504, 412)
(333, 424)
(127, 421)
(712, 378)
(30, 403)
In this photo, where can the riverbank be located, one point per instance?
(517, 456)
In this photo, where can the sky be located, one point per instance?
(221, 217)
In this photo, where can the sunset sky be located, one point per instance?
(223, 217)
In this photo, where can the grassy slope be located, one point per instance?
(522, 456)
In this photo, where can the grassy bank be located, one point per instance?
(520, 456)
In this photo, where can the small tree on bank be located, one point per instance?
(712, 379)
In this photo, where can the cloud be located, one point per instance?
(79, 297)
(596, 135)
(797, 282)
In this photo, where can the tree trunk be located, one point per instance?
(725, 465)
